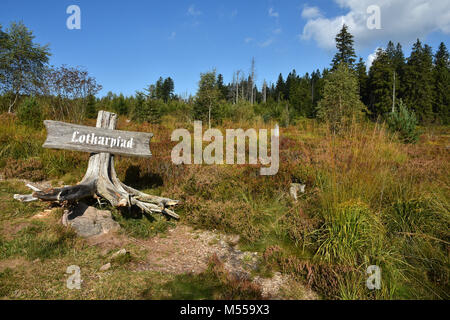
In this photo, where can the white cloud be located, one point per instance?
(273, 13)
(172, 35)
(370, 58)
(193, 12)
(248, 40)
(277, 31)
(311, 12)
(401, 21)
(266, 43)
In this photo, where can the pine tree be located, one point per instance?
(419, 82)
(344, 44)
(441, 75)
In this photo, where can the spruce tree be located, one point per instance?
(344, 44)
(153, 110)
(91, 109)
(362, 80)
(399, 64)
(441, 75)
(419, 82)
(380, 84)
(140, 111)
(167, 89)
(280, 88)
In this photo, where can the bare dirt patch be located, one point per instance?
(185, 250)
(9, 230)
(13, 263)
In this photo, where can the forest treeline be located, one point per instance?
(419, 82)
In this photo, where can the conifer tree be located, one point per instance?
(344, 44)
(362, 80)
(223, 90)
(91, 109)
(167, 89)
(280, 88)
(140, 112)
(340, 103)
(441, 75)
(419, 82)
(153, 110)
(380, 84)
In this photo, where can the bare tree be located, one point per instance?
(252, 80)
(264, 91)
(237, 86)
(71, 86)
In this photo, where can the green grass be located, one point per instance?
(138, 225)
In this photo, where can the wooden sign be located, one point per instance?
(76, 137)
(101, 180)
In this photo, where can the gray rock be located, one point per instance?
(88, 221)
(233, 239)
(295, 188)
(119, 253)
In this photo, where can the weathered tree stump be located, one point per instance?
(101, 180)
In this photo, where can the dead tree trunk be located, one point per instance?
(101, 180)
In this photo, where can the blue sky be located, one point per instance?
(127, 45)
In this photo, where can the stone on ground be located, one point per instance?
(88, 221)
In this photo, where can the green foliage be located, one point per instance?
(119, 105)
(22, 62)
(207, 100)
(153, 109)
(344, 44)
(381, 79)
(419, 82)
(141, 225)
(163, 89)
(404, 122)
(340, 103)
(30, 113)
(91, 107)
(441, 73)
(348, 234)
(362, 81)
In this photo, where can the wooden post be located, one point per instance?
(101, 179)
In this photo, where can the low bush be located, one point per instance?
(404, 122)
